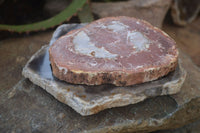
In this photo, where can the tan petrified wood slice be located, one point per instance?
(117, 50)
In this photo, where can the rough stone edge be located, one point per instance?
(86, 108)
(171, 121)
(180, 117)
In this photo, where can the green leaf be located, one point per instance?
(66, 14)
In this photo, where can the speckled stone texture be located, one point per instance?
(88, 100)
(28, 108)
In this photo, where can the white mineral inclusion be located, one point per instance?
(84, 46)
(138, 41)
(116, 26)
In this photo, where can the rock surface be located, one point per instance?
(119, 50)
(193, 127)
(28, 108)
(187, 39)
(14, 54)
(152, 11)
(184, 11)
(88, 100)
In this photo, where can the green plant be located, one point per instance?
(80, 7)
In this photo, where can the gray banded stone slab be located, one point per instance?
(88, 100)
(28, 108)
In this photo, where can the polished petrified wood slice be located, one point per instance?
(118, 50)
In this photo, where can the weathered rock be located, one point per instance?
(152, 11)
(15, 52)
(28, 108)
(88, 100)
(184, 11)
(193, 127)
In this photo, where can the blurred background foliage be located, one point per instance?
(35, 15)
